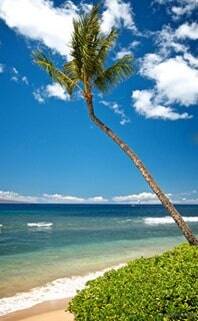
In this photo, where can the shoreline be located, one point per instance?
(50, 306)
(51, 303)
(45, 311)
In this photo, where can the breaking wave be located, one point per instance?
(59, 289)
(168, 220)
(40, 224)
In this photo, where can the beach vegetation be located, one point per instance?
(160, 288)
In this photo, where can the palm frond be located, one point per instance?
(56, 74)
(85, 42)
(114, 74)
(89, 50)
(106, 43)
(71, 69)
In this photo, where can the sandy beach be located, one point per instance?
(48, 311)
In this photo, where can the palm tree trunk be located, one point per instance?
(145, 173)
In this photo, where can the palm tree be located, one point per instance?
(86, 71)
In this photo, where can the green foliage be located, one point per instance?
(89, 52)
(161, 288)
(56, 74)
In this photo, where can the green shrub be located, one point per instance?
(163, 288)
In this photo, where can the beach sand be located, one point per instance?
(48, 311)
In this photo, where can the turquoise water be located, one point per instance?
(42, 243)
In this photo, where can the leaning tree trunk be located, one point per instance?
(145, 173)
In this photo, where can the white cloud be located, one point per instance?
(116, 108)
(144, 197)
(97, 199)
(122, 53)
(10, 196)
(174, 72)
(168, 42)
(176, 41)
(145, 104)
(178, 8)
(117, 12)
(187, 30)
(54, 90)
(17, 77)
(127, 50)
(25, 80)
(134, 44)
(183, 7)
(40, 20)
(190, 197)
(39, 96)
(59, 198)
(176, 78)
(138, 198)
(193, 61)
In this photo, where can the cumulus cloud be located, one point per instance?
(97, 199)
(10, 196)
(54, 90)
(183, 7)
(127, 50)
(179, 8)
(117, 13)
(144, 197)
(40, 20)
(174, 71)
(145, 104)
(140, 198)
(59, 198)
(117, 109)
(191, 59)
(176, 78)
(187, 30)
(176, 82)
(168, 42)
(122, 53)
(172, 41)
(137, 198)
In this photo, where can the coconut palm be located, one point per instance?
(87, 72)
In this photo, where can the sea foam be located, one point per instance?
(40, 224)
(168, 220)
(58, 289)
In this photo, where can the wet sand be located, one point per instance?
(48, 311)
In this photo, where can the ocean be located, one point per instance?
(47, 252)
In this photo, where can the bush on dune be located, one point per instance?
(163, 288)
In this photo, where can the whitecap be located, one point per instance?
(59, 289)
(1, 225)
(168, 220)
(126, 220)
(40, 224)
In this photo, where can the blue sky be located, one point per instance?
(51, 152)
